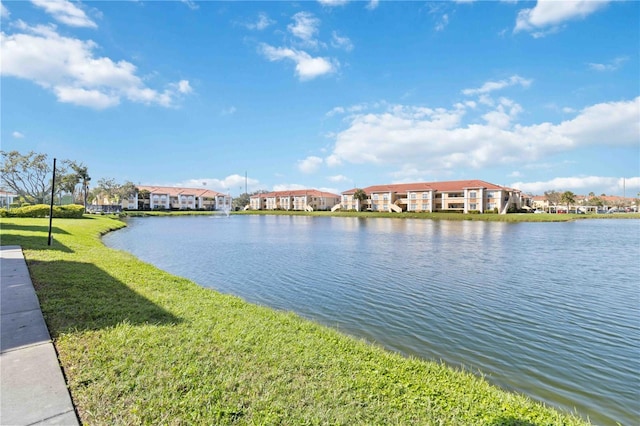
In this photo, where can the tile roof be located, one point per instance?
(445, 186)
(296, 193)
(173, 191)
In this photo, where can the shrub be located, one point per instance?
(71, 211)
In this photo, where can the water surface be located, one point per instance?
(547, 309)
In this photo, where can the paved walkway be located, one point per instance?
(32, 387)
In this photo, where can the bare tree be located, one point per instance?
(553, 197)
(27, 175)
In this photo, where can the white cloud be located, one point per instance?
(310, 164)
(505, 112)
(182, 86)
(231, 183)
(610, 123)
(68, 68)
(307, 67)
(65, 12)
(305, 27)
(582, 185)
(547, 15)
(611, 66)
(444, 21)
(333, 3)
(229, 111)
(354, 108)
(84, 97)
(288, 187)
(261, 23)
(341, 42)
(436, 139)
(4, 12)
(191, 4)
(373, 4)
(339, 178)
(17, 135)
(491, 86)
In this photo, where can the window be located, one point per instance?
(414, 206)
(374, 196)
(425, 195)
(413, 195)
(472, 194)
(490, 195)
(473, 207)
(385, 197)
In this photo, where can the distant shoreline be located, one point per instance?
(486, 217)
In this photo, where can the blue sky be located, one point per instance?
(330, 95)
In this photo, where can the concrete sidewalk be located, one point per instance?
(32, 387)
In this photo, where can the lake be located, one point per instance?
(551, 310)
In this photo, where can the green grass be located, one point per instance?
(140, 346)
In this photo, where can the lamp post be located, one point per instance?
(53, 189)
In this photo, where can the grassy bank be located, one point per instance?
(140, 346)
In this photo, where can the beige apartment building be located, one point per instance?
(300, 199)
(168, 197)
(450, 196)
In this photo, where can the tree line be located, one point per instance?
(30, 176)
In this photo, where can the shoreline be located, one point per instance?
(139, 345)
(485, 217)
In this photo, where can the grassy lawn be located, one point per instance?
(140, 346)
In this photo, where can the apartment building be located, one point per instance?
(300, 199)
(167, 198)
(7, 198)
(449, 196)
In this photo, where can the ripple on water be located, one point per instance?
(550, 310)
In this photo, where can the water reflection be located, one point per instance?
(546, 309)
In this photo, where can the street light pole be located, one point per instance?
(53, 189)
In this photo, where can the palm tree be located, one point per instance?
(361, 196)
(568, 198)
(82, 177)
(144, 198)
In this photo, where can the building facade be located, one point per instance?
(301, 200)
(175, 198)
(7, 198)
(450, 196)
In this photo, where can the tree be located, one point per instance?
(126, 191)
(568, 198)
(29, 175)
(82, 178)
(107, 189)
(243, 200)
(361, 196)
(553, 197)
(144, 199)
(67, 183)
(596, 201)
